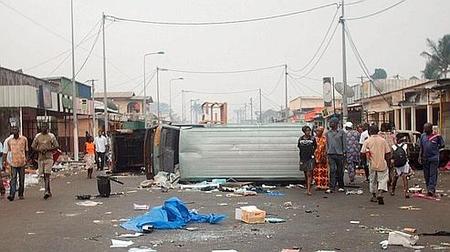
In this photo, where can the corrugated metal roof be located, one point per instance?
(115, 94)
(268, 152)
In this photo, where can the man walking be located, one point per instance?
(430, 143)
(17, 146)
(45, 144)
(336, 150)
(364, 136)
(377, 152)
(353, 149)
(100, 146)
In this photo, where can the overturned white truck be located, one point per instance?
(251, 153)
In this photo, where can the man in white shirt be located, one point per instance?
(100, 146)
(364, 137)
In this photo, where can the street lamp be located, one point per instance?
(157, 89)
(170, 96)
(145, 88)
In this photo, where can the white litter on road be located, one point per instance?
(131, 235)
(120, 244)
(139, 207)
(89, 203)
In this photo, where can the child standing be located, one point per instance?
(401, 165)
(307, 146)
(89, 156)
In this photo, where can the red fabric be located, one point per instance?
(309, 117)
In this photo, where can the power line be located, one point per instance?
(321, 55)
(278, 83)
(222, 72)
(90, 51)
(296, 82)
(221, 93)
(363, 65)
(377, 12)
(114, 18)
(320, 45)
(355, 2)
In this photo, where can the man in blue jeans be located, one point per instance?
(430, 143)
(17, 146)
(336, 150)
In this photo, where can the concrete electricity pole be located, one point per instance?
(344, 69)
(74, 91)
(105, 96)
(251, 110)
(94, 119)
(260, 106)
(286, 93)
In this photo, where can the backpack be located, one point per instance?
(399, 156)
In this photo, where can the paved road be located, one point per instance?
(59, 225)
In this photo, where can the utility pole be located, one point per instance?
(105, 96)
(286, 92)
(334, 97)
(260, 106)
(74, 91)
(251, 110)
(94, 127)
(157, 92)
(183, 117)
(344, 69)
(245, 112)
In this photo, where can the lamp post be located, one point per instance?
(170, 96)
(157, 90)
(145, 88)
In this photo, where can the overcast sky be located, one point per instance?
(37, 31)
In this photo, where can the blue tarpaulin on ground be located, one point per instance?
(173, 214)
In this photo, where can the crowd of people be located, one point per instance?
(15, 156)
(324, 156)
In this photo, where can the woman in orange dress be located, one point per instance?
(89, 156)
(321, 171)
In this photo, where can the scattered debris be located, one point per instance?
(288, 204)
(424, 196)
(290, 250)
(403, 239)
(71, 214)
(97, 221)
(40, 212)
(274, 220)
(384, 244)
(355, 222)
(409, 230)
(173, 214)
(415, 189)
(242, 203)
(226, 250)
(268, 187)
(222, 204)
(137, 234)
(275, 193)
(413, 208)
(107, 213)
(147, 183)
(138, 207)
(120, 244)
(141, 250)
(192, 228)
(250, 215)
(89, 203)
(354, 192)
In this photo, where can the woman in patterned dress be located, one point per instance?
(321, 170)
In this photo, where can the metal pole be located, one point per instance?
(260, 106)
(251, 110)
(94, 119)
(105, 96)
(157, 91)
(74, 91)
(190, 104)
(344, 69)
(145, 99)
(183, 117)
(170, 99)
(286, 93)
(334, 97)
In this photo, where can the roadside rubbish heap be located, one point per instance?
(172, 215)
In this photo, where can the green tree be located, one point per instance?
(379, 74)
(438, 58)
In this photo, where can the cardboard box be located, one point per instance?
(250, 215)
